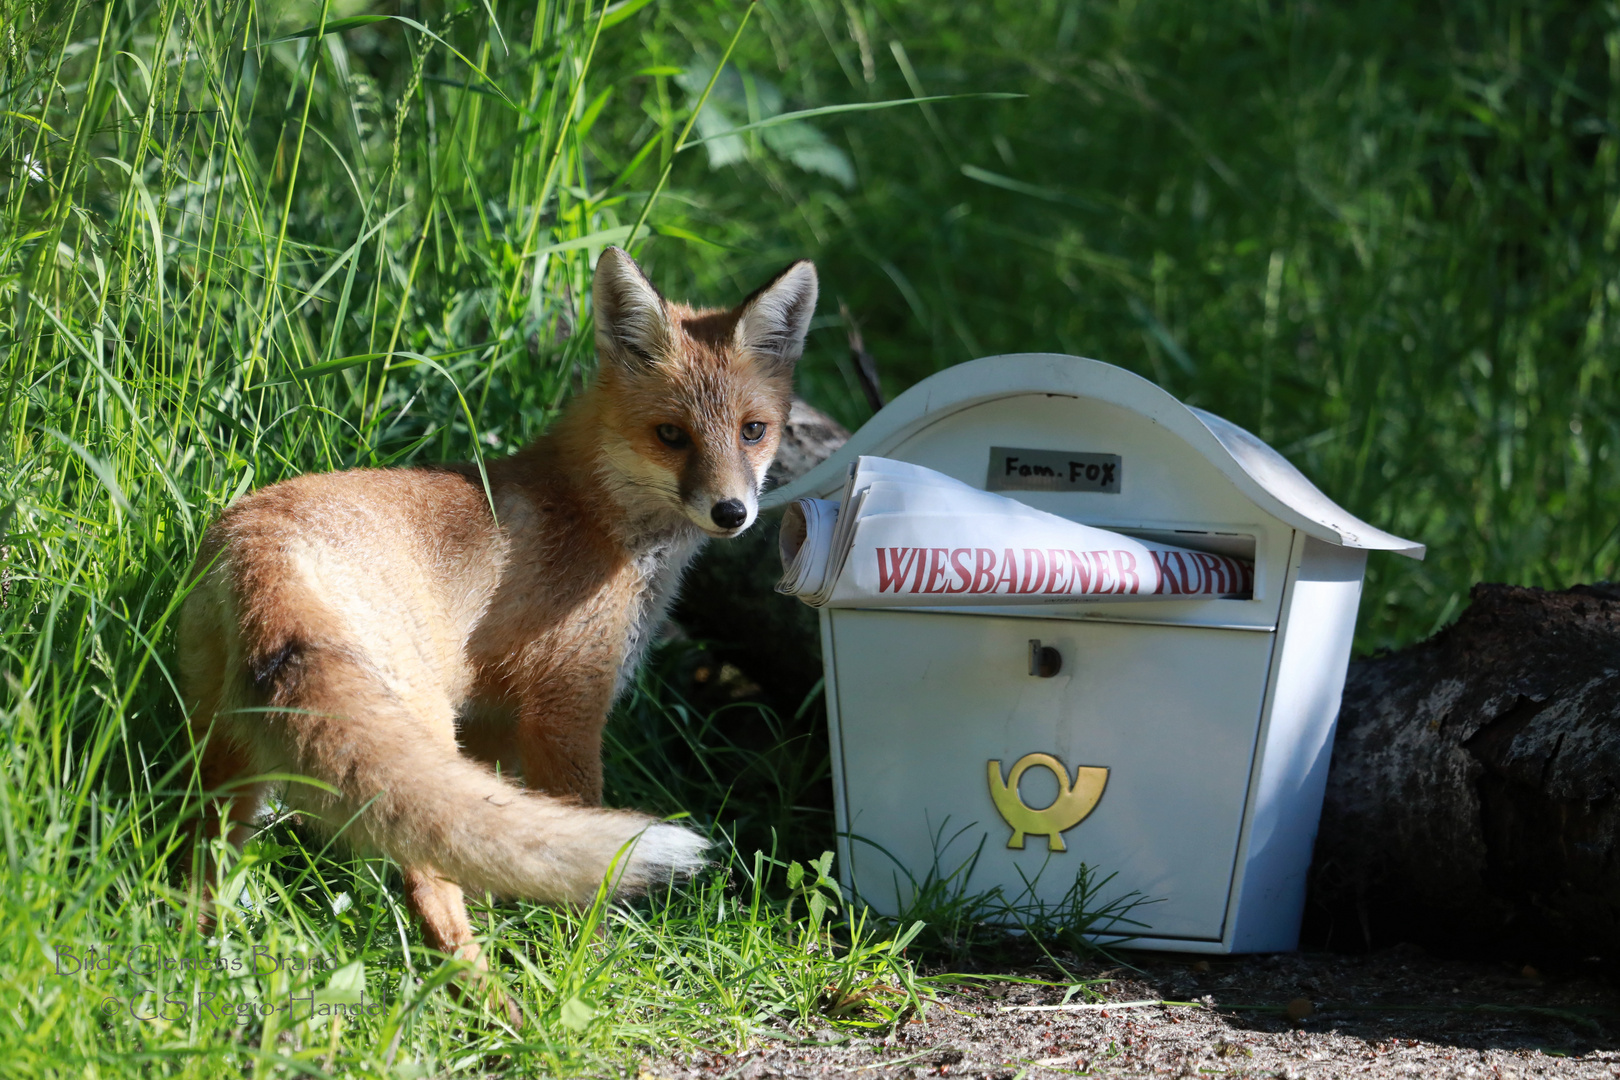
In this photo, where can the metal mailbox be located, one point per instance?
(1180, 744)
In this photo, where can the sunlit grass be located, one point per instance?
(234, 247)
(316, 970)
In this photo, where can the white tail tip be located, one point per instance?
(664, 852)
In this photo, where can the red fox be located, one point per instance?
(414, 644)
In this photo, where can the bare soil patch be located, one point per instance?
(1397, 1013)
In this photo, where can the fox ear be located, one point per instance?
(772, 323)
(632, 329)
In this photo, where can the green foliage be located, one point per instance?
(1382, 236)
(820, 894)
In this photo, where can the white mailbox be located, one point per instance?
(1182, 745)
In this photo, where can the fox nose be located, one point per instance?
(729, 513)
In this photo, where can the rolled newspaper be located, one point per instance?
(905, 536)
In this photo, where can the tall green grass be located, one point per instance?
(237, 243)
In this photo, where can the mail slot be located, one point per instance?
(1180, 743)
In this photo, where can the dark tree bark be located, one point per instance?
(1471, 803)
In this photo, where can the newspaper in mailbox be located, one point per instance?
(906, 536)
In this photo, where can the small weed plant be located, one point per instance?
(965, 927)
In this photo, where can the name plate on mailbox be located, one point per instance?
(1012, 469)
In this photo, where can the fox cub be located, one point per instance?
(395, 634)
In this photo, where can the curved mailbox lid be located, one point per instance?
(1258, 471)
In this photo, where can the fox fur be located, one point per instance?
(415, 646)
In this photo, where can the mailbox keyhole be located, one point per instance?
(1044, 661)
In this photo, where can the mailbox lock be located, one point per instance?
(1044, 661)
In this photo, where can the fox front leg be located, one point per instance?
(562, 760)
(559, 736)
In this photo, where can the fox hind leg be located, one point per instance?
(229, 809)
(441, 909)
(379, 743)
(439, 906)
(206, 646)
(229, 805)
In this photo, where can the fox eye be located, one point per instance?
(753, 432)
(672, 436)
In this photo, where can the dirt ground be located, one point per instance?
(1397, 1013)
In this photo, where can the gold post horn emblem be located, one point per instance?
(1072, 805)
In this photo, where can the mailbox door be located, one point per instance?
(925, 701)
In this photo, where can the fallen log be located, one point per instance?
(1471, 802)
